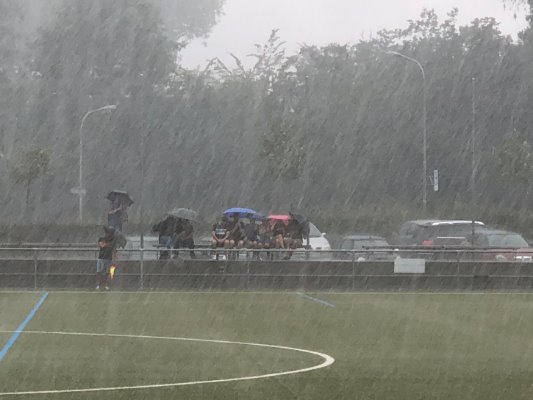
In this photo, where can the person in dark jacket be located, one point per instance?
(278, 234)
(166, 229)
(236, 237)
(106, 254)
(115, 214)
(294, 236)
(219, 237)
(250, 233)
(184, 239)
(235, 233)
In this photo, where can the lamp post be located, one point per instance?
(424, 132)
(473, 146)
(80, 191)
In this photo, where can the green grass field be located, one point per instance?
(385, 345)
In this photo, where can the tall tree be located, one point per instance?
(97, 53)
(10, 69)
(189, 19)
(31, 166)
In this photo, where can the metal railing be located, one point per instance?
(73, 250)
(69, 260)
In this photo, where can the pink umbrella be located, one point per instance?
(279, 217)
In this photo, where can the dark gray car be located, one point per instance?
(366, 247)
(436, 232)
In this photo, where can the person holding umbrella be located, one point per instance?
(250, 234)
(117, 215)
(114, 216)
(167, 229)
(183, 234)
(184, 239)
(278, 224)
(264, 236)
(235, 233)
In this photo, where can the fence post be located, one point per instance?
(34, 269)
(353, 271)
(141, 283)
(248, 275)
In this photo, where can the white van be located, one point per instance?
(317, 239)
(318, 243)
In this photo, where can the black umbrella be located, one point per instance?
(302, 221)
(121, 195)
(184, 213)
(298, 218)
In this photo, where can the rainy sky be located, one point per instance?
(320, 22)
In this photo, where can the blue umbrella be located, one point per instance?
(241, 212)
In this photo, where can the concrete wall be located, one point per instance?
(275, 275)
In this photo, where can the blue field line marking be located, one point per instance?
(315, 299)
(22, 325)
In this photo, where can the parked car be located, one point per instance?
(436, 232)
(318, 242)
(317, 239)
(502, 245)
(366, 247)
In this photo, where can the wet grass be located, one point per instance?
(386, 346)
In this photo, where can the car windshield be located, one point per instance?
(506, 240)
(370, 243)
(313, 230)
(450, 230)
(359, 244)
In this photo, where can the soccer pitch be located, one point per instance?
(265, 345)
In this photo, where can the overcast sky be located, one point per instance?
(319, 22)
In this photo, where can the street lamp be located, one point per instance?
(424, 148)
(473, 145)
(80, 191)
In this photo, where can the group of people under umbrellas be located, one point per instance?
(176, 232)
(240, 228)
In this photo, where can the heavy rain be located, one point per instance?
(237, 199)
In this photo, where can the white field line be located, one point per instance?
(361, 293)
(407, 293)
(316, 300)
(328, 360)
(146, 292)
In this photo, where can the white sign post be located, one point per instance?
(435, 180)
(79, 192)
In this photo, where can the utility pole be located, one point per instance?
(473, 146)
(473, 149)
